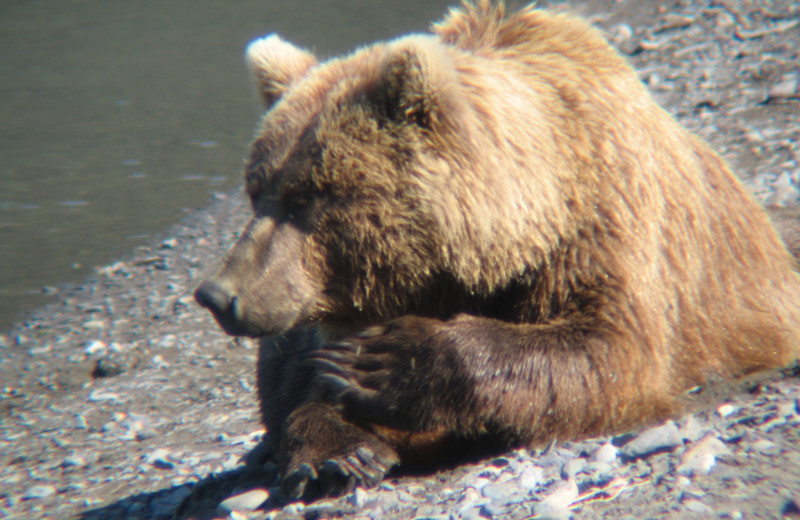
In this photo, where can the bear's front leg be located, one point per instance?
(324, 455)
(475, 377)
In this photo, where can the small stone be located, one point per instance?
(470, 498)
(500, 462)
(504, 493)
(358, 497)
(496, 491)
(788, 87)
(765, 446)
(599, 469)
(99, 396)
(247, 501)
(701, 456)
(489, 511)
(692, 493)
(661, 438)
(787, 409)
(725, 21)
(159, 459)
(94, 324)
(606, 453)
(79, 422)
(295, 508)
(572, 468)
(725, 410)
(691, 430)
(473, 513)
(37, 492)
(695, 506)
(530, 477)
(171, 243)
(94, 348)
(479, 482)
(106, 367)
(73, 461)
(621, 34)
(559, 499)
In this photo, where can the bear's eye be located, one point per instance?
(296, 206)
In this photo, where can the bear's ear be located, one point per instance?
(417, 81)
(275, 64)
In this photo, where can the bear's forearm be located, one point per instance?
(474, 375)
(534, 382)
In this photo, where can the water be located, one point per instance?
(118, 116)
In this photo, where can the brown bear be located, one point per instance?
(487, 236)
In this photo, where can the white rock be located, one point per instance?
(559, 499)
(702, 455)
(35, 492)
(247, 501)
(725, 410)
(530, 477)
(664, 437)
(695, 506)
(606, 453)
(99, 396)
(358, 497)
(94, 347)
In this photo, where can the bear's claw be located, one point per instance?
(336, 476)
(295, 482)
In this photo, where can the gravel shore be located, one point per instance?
(119, 399)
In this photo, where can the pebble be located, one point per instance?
(572, 468)
(100, 396)
(95, 347)
(695, 506)
(725, 410)
(94, 324)
(559, 499)
(606, 453)
(690, 429)
(489, 510)
(787, 409)
(701, 456)
(158, 459)
(79, 422)
(660, 438)
(358, 497)
(788, 87)
(36, 492)
(73, 461)
(765, 446)
(531, 477)
(599, 470)
(498, 490)
(247, 501)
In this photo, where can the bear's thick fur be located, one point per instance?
(488, 235)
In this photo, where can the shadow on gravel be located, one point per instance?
(158, 505)
(197, 501)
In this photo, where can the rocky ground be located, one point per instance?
(116, 401)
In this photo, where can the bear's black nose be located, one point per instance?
(214, 298)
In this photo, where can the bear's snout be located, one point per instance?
(221, 304)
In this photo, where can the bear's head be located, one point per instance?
(373, 191)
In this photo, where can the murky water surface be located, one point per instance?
(118, 116)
